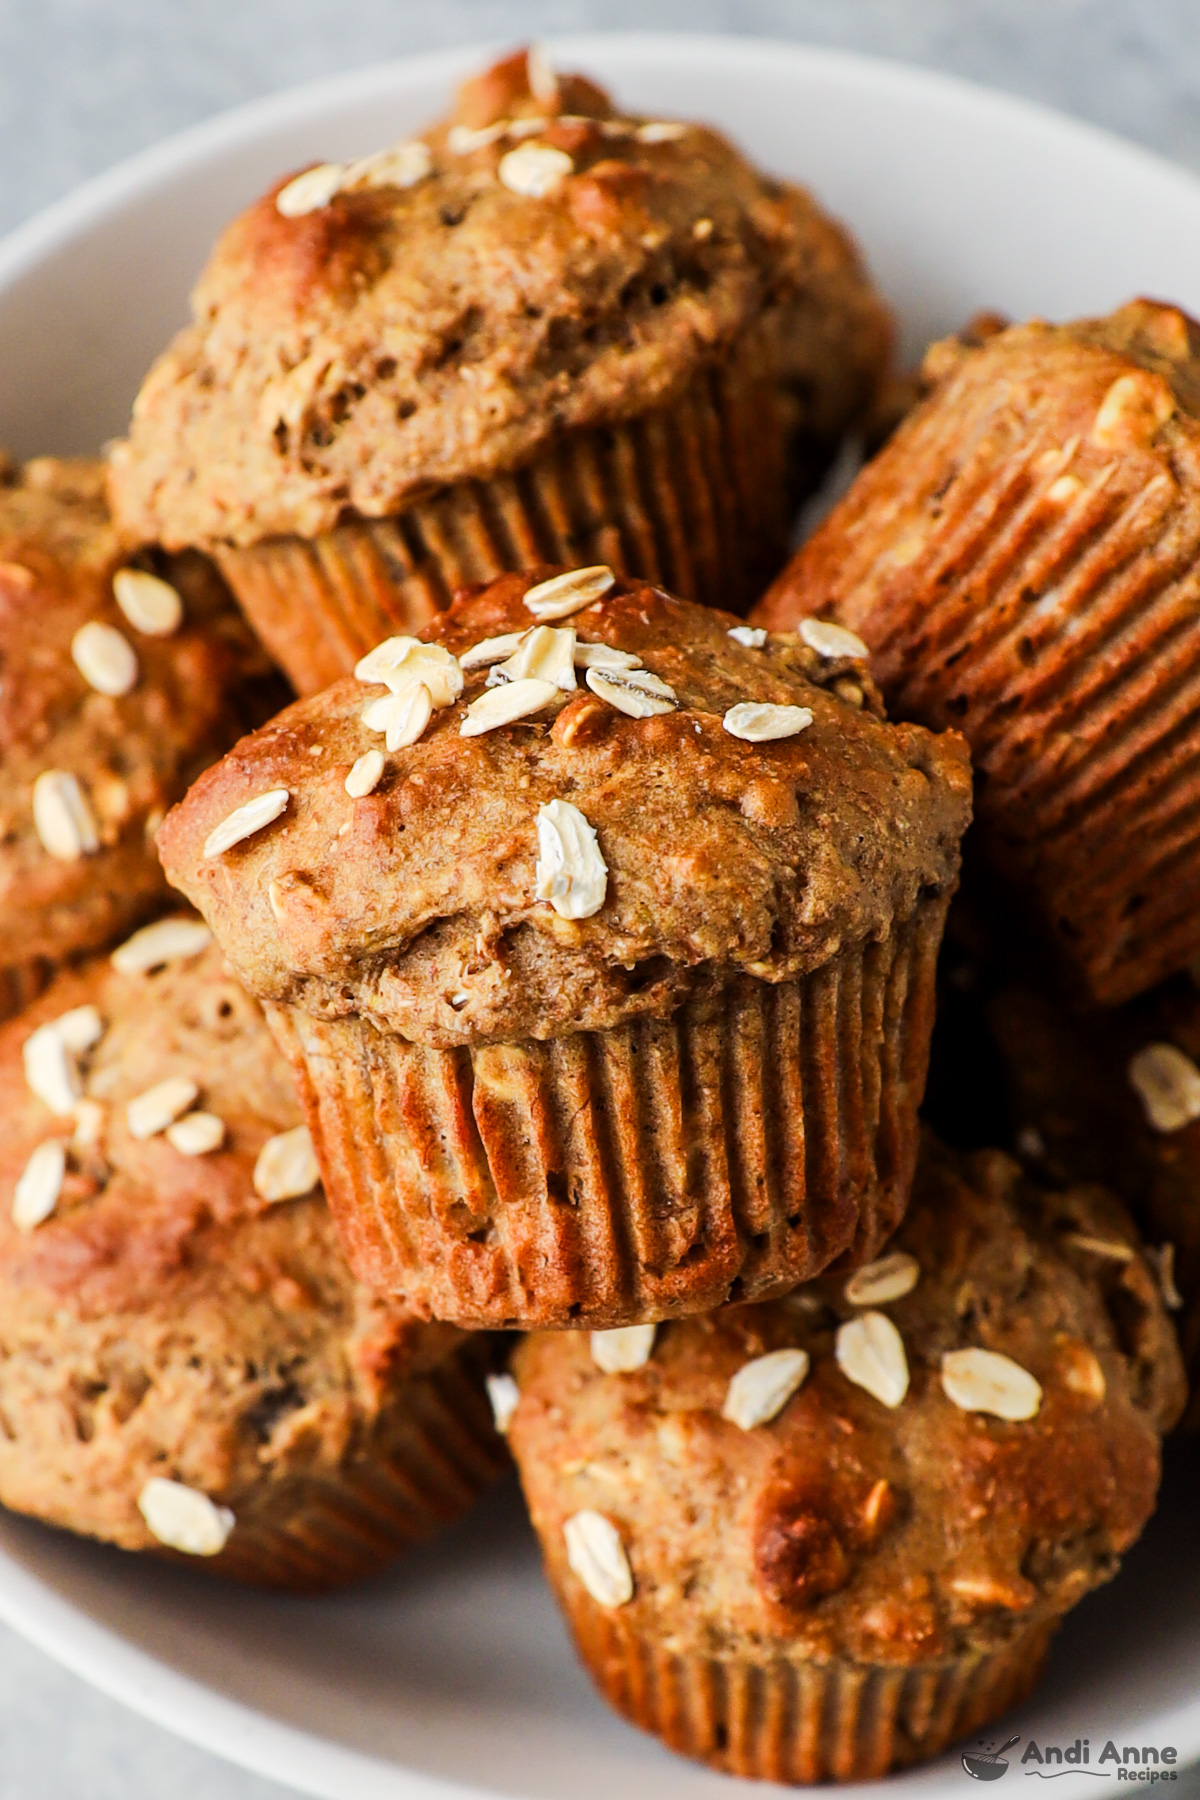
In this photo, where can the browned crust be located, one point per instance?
(197, 691)
(984, 1535)
(1023, 566)
(166, 1321)
(342, 363)
(723, 856)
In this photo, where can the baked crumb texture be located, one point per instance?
(544, 332)
(107, 716)
(1020, 559)
(180, 1338)
(845, 1585)
(693, 1074)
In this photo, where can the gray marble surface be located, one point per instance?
(84, 83)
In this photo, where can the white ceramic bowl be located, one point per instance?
(453, 1677)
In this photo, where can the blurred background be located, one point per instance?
(84, 83)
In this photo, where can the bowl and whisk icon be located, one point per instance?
(988, 1765)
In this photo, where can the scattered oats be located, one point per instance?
(399, 166)
(603, 656)
(490, 650)
(523, 128)
(106, 660)
(505, 705)
(830, 640)
(985, 1381)
(51, 1071)
(166, 941)
(460, 999)
(39, 1185)
(702, 229)
(1168, 1085)
(89, 1124)
(565, 594)
(1139, 401)
(401, 717)
(660, 131)
(876, 1283)
(63, 817)
(571, 872)
(160, 1105)
(762, 1388)
(244, 821)
(1081, 1371)
(633, 691)
(311, 191)
(365, 776)
(849, 691)
(545, 653)
(1163, 1261)
(504, 1395)
(196, 1134)
(621, 1351)
(400, 662)
(80, 1029)
(287, 1167)
(540, 76)
(757, 722)
(1064, 490)
(752, 637)
(534, 170)
(183, 1518)
(870, 1352)
(151, 605)
(1030, 1143)
(1111, 1248)
(461, 140)
(597, 1555)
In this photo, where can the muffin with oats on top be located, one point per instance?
(599, 931)
(187, 1365)
(1021, 560)
(544, 332)
(118, 688)
(820, 1539)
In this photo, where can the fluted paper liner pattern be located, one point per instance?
(654, 1170)
(691, 497)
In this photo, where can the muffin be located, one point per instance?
(545, 332)
(608, 988)
(1020, 560)
(1119, 1097)
(187, 1365)
(111, 705)
(821, 1538)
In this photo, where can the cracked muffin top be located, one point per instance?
(946, 1444)
(599, 813)
(174, 1301)
(109, 710)
(439, 311)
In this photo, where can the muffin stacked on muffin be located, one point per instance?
(186, 1363)
(543, 333)
(600, 932)
(118, 688)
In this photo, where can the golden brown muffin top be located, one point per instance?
(844, 1527)
(440, 317)
(132, 753)
(418, 906)
(166, 1318)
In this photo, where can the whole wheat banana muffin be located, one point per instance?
(187, 1365)
(109, 710)
(608, 987)
(821, 1538)
(1117, 1097)
(543, 332)
(1021, 560)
